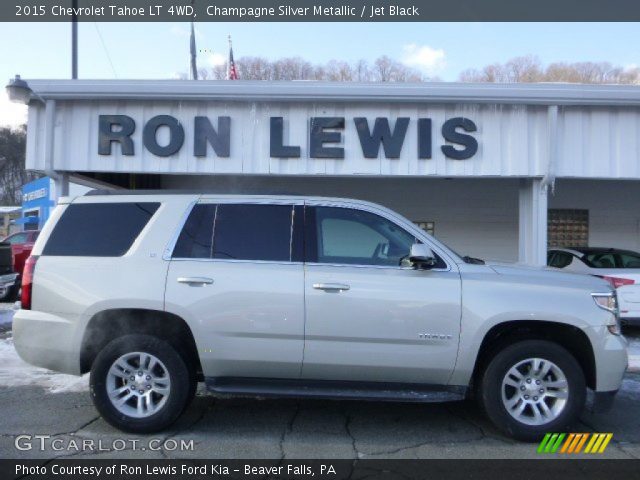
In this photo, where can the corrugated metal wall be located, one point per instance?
(512, 139)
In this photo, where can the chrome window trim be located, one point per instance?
(230, 260)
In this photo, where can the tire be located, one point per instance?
(159, 395)
(500, 387)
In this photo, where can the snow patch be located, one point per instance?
(14, 372)
(6, 313)
(633, 350)
(630, 388)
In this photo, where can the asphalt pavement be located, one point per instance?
(49, 416)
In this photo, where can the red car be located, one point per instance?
(21, 246)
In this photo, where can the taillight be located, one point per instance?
(27, 282)
(617, 282)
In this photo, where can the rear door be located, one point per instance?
(236, 272)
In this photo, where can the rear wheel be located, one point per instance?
(140, 383)
(533, 387)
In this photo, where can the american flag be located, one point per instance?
(232, 72)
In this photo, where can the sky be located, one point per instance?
(161, 50)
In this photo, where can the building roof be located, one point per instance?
(294, 91)
(4, 209)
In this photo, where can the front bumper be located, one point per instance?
(46, 341)
(611, 359)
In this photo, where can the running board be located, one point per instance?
(335, 390)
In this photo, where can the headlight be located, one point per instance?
(608, 301)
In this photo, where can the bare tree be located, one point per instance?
(385, 69)
(529, 69)
(12, 157)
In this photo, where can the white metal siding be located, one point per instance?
(511, 139)
(593, 142)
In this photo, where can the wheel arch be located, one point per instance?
(572, 338)
(107, 325)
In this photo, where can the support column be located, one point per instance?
(532, 240)
(61, 185)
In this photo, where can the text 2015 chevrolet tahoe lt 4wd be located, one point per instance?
(301, 296)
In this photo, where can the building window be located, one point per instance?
(32, 213)
(568, 228)
(428, 227)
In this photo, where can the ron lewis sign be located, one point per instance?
(324, 140)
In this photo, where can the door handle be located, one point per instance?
(195, 281)
(339, 287)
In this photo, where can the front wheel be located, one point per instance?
(140, 383)
(533, 387)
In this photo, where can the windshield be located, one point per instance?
(612, 259)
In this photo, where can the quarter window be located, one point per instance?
(98, 229)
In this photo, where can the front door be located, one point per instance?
(369, 315)
(236, 274)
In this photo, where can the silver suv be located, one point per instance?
(305, 297)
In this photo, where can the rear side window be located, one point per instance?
(196, 237)
(240, 232)
(98, 229)
(253, 232)
(561, 260)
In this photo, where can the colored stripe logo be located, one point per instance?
(575, 443)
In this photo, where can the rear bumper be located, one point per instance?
(46, 341)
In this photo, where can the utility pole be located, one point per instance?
(194, 67)
(74, 41)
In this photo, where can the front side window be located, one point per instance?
(600, 260)
(348, 236)
(238, 232)
(17, 238)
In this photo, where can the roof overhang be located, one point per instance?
(305, 91)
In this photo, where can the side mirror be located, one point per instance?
(422, 256)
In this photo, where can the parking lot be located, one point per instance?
(47, 415)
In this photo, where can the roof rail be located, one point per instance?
(99, 191)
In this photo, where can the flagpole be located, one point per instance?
(229, 59)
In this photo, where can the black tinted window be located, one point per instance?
(98, 229)
(561, 260)
(253, 232)
(196, 238)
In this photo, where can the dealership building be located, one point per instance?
(495, 171)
